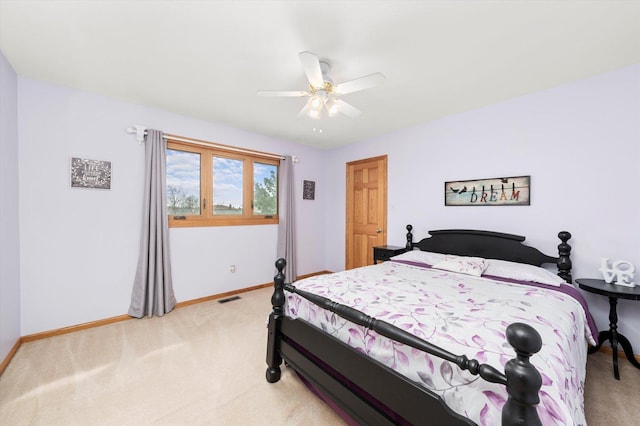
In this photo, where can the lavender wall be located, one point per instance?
(580, 144)
(80, 246)
(9, 212)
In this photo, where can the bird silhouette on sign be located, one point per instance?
(458, 191)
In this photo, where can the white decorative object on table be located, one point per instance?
(622, 270)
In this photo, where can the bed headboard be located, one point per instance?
(493, 245)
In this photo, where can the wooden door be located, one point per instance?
(366, 210)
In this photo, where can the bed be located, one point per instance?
(445, 333)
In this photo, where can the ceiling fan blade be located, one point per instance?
(347, 109)
(287, 93)
(357, 84)
(305, 109)
(311, 66)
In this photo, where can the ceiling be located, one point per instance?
(207, 59)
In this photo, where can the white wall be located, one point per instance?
(79, 247)
(9, 212)
(580, 143)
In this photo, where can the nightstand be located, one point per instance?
(613, 292)
(382, 253)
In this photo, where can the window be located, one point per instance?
(212, 187)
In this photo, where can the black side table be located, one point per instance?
(613, 292)
(383, 253)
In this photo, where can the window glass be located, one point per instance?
(227, 186)
(183, 182)
(265, 189)
(214, 186)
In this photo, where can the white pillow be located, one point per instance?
(419, 256)
(463, 265)
(522, 272)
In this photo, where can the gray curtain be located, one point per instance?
(152, 288)
(286, 223)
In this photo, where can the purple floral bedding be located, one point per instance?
(464, 315)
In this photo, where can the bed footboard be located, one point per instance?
(521, 378)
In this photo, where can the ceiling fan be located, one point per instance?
(323, 93)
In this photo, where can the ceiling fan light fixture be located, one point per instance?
(314, 113)
(315, 103)
(332, 106)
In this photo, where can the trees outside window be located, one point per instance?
(265, 191)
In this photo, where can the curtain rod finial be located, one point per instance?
(140, 130)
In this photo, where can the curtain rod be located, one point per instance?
(141, 131)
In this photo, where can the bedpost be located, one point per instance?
(523, 379)
(273, 340)
(564, 259)
(409, 245)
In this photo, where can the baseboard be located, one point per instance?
(74, 328)
(621, 355)
(112, 320)
(221, 295)
(10, 355)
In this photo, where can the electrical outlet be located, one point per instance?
(233, 269)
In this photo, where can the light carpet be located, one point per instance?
(204, 364)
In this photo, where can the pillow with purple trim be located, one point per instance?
(463, 265)
(522, 272)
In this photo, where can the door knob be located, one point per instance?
(378, 231)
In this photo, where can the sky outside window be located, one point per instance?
(183, 182)
(227, 185)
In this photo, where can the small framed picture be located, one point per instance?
(94, 174)
(308, 190)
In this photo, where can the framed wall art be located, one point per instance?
(506, 191)
(95, 174)
(308, 190)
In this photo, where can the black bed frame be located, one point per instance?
(373, 394)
